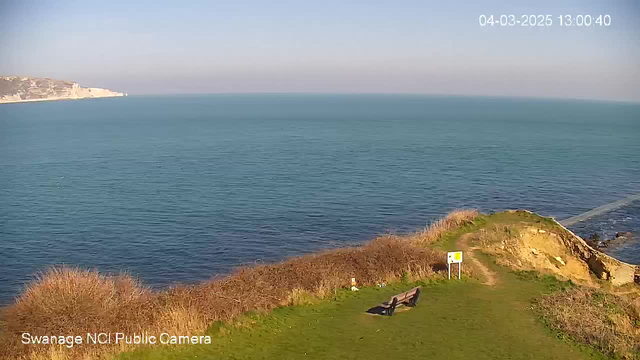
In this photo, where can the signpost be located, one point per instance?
(454, 258)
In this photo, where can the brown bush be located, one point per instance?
(66, 301)
(436, 230)
(606, 321)
(102, 300)
(268, 286)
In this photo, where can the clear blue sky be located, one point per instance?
(151, 47)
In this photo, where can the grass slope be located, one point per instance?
(454, 320)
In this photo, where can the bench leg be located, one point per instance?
(392, 308)
(415, 298)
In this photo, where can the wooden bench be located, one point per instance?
(409, 298)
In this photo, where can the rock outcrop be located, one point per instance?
(23, 89)
(609, 244)
(604, 266)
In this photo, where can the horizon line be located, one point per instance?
(514, 97)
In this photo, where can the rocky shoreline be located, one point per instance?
(604, 245)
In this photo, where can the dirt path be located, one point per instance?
(491, 278)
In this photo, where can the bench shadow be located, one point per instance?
(379, 310)
(376, 310)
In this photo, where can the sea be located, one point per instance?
(179, 189)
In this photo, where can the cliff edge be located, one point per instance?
(543, 244)
(23, 89)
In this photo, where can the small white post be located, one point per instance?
(459, 267)
(449, 267)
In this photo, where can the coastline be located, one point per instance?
(60, 98)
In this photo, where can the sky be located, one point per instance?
(329, 46)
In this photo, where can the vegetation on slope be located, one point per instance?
(73, 301)
(454, 319)
(607, 321)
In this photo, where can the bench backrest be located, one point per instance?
(405, 295)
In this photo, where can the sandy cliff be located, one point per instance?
(552, 247)
(23, 89)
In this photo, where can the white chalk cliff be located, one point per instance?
(24, 89)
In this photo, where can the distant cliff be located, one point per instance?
(22, 89)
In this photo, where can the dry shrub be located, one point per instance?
(267, 286)
(436, 230)
(606, 321)
(66, 301)
(301, 297)
(101, 300)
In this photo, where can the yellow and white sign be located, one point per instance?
(454, 257)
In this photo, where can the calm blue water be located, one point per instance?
(178, 189)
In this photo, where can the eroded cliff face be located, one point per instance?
(23, 89)
(554, 248)
(604, 266)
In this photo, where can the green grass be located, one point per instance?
(454, 320)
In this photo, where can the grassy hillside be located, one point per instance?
(464, 319)
(454, 320)
(300, 308)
